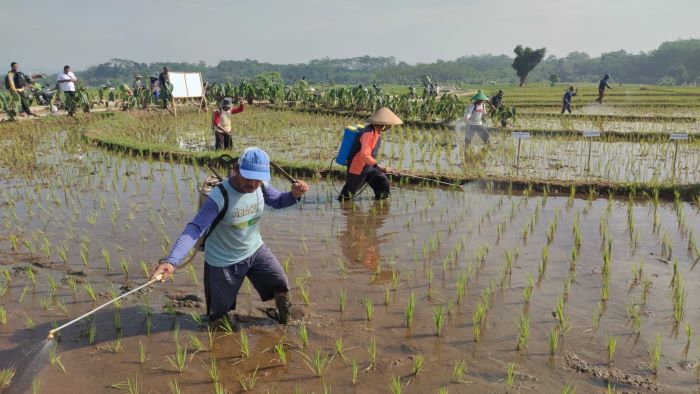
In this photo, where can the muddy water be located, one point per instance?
(419, 242)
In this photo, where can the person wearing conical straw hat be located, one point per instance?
(364, 167)
(473, 117)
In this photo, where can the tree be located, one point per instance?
(553, 79)
(525, 60)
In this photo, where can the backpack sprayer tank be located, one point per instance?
(349, 136)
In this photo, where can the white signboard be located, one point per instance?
(521, 134)
(186, 85)
(591, 133)
(679, 136)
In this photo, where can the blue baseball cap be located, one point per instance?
(254, 163)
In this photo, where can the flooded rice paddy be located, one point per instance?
(480, 290)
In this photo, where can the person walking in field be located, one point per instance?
(473, 117)
(66, 83)
(221, 122)
(363, 166)
(566, 99)
(601, 88)
(234, 249)
(16, 81)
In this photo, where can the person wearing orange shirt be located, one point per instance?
(364, 167)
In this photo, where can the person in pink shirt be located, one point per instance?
(222, 123)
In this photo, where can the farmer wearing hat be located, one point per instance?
(473, 118)
(601, 88)
(566, 100)
(138, 83)
(497, 100)
(234, 248)
(221, 123)
(363, 166)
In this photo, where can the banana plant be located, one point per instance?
(10, 105)
(503, 113)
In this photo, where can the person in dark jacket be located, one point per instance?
(566, 100)
(601, 88)
(16, 82)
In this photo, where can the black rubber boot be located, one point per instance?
(284, 306)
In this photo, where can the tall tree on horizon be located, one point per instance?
(525, 60)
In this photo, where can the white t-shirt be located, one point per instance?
(474, 113)
(66, 86)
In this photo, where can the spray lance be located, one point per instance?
(150, 282)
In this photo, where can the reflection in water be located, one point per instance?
(361, 239)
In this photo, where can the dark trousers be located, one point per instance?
(565, 107)
(223, 141)
(376, 179)
(24, 102)
(70, 102)
(601, 94)
(221, 284)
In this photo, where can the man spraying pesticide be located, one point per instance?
(233, 248)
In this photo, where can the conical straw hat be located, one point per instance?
(480, 96)
(384, 116)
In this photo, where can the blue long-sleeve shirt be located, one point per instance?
(568, 96)
(237, 236)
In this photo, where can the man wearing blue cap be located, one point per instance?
(234, 248)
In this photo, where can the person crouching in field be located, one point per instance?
(566, 100)
(234, 249)
(221, 123)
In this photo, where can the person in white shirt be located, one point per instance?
(473, 118)
(66, 83)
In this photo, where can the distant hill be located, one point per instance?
(675, 62)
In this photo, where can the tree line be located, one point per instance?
(672, 63)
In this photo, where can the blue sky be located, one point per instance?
(82, 33)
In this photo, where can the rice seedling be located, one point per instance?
(29, 323)
(553, 340)
(418, 364)
(303, 293)
(197, 319)
(226, 326)
(243, 344)
(611, 345)
(395, 385)
(179, 359)
(196, 344)
(107, 259)
(340, 348)
(458, 371)
(36, 385)
(55, 359)
(91, 332)
(6, 376)
(174, 387)
(688, 333)
(3, 316)
(569, 389)
(342, 300)
(281, 353)
(372, 353)
(142, 353)
(213, 370)
(369, 308)
(29, 271)
(438, 318)
(510, 376)
(410, 307)
(248, 381)
(355, 368)
(523, 326)
(89, 291)
(527, 291)
(318, 363)
(303, 336)
(655, 354)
